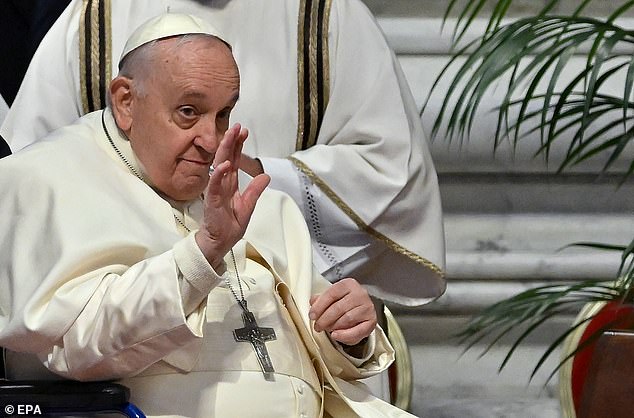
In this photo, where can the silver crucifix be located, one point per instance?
(257, 336)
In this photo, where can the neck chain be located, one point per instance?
(241, 300)
(118, 151)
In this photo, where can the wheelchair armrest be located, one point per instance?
(65, 396)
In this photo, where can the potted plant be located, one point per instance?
(530, 55)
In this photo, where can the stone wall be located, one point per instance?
(508, 215)
(508, 219)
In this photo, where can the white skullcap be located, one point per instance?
(165, 26)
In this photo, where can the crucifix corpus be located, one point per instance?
(257, 336)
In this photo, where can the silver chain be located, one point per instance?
(119, 153)
(241, 300)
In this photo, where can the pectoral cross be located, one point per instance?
(257, 337)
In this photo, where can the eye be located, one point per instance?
(188, 111)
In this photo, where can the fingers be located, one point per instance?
(230, 147)
(354, 335)
(325, 301)
(224, 151)
(345, 310)
(250, 197)
(241, 137)
(216, 179)
(229, 151)
(343, 314)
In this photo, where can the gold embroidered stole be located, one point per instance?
(95, 53)
(313, 77)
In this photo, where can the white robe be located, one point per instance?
(4, 109)
(89, 283)
(368, 188)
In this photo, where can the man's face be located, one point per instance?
(182, 113)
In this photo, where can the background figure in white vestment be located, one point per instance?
(110, 268)
(331, 117)
(4, 108)
(4, 147)
(23, 23)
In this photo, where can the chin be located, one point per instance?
(183, 192)
(189, 195)
(191, 192)
(187, 187)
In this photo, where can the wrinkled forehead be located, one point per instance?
(195, 41)
(194, 64)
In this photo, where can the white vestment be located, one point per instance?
(92, 267)
(367, 187)
(4, 109)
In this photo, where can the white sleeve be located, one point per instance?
(195, 273)
(338, 245)
(142, 303)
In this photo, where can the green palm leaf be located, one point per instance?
(473, 9)
(535, 51)
(528, 310)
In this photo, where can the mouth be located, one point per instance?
(201, 163)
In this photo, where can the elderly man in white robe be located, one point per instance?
(127, 257)
(330, 115)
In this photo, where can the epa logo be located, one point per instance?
(22, 410)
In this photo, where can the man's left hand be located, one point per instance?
(345, 310)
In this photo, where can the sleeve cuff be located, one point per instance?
(366, 350)
(198, 277)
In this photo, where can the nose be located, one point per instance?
(207, 135)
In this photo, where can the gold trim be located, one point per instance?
(326, 53)
(570, 344)
(108, 17)
(312, 76)
(314, 112)
(315, 61)
(300, 74)
(94, 52)
(402, 362)
(360, 223)
(82, 56)
(97, 95)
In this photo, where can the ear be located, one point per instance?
(121, 98)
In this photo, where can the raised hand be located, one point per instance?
(226, 210)
(345, 310)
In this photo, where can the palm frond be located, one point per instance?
(473, 9)
(536, 51)
(525, 312)
(529, 58)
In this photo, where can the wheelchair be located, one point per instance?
(71, 398)
(64, 398)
